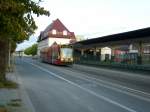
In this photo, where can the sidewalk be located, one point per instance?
(15, 100)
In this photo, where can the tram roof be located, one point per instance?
(136, 34)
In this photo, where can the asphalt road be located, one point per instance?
(82, 88)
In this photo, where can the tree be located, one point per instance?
(31, 50)
(27, 51)
(16, 24)
(34, 49)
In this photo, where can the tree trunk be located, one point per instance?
(3, 59)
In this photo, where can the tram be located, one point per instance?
(57, 54)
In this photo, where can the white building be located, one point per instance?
(55, 32)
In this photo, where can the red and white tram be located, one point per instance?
(57, 54)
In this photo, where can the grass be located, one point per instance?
(8, 84)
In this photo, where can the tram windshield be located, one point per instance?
(66, 53)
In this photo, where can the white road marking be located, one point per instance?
(138, 91)
(101, 83)
(131, 89)
(120, 86)
(87, 90)
(145, 93)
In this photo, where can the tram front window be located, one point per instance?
(66, 53)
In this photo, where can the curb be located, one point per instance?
(23, 94)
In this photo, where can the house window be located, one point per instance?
(54, 31)
(64, 32)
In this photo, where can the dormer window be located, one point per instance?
(54, 31)
(64, 32)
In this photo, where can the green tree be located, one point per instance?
(27, 51)
(34, 50)
(16, 24)
(31, 50)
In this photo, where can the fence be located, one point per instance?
(128, 60)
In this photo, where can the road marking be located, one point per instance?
(131, 89)
(87, 90)
(137, 93)
(145, 93)
(129, 92)
(106, 82)
(115, 87)
(101, 83)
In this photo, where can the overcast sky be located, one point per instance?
(94, 18)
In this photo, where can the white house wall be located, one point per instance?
(42, 44)
(49, 41)
(58, 41)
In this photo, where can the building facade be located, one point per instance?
(56, 32)
(127, 49)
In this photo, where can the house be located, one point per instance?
(56, 32)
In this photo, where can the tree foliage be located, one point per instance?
(31, 50)
(16, 25)
(16, 19)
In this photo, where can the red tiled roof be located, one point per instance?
(59, 27)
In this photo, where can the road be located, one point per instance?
(83, 89)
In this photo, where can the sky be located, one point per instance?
(93, 18)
